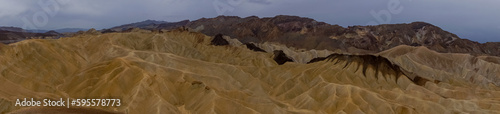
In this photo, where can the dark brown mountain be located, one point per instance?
(150, 25)
(7, 37)
(13, 29)
(172, 25)
(307, 33)
(147, 24)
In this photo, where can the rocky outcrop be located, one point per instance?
(253, 47)
(218, 40)
(381, 65)
(280, 57)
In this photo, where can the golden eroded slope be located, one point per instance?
(179, 72)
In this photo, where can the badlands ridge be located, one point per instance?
(183, 72)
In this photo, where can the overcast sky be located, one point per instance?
(478, 20)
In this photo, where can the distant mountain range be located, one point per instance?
(63, 30)
(150, 25)
(306, 33)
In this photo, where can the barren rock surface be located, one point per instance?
(180, 72)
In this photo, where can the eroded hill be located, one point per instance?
(181, 72)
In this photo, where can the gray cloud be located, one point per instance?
(475, 20)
